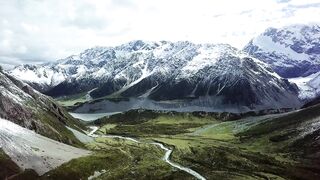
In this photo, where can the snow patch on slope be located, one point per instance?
(80, 135)
(207, 56)
(43, 75)
(266, 43)
(97, 174)
(309, 86)
(33, 151)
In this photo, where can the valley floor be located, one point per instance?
(265, 147)
(145, 144)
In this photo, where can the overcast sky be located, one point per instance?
(34, 31)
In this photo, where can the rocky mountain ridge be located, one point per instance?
(207, 74)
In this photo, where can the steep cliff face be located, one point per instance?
(28, 108)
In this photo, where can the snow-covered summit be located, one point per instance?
(292, 51)
(95, 62)
(120, 61)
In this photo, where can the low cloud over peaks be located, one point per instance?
(34, 31)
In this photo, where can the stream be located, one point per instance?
(166, 157)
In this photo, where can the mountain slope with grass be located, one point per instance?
(28, 108)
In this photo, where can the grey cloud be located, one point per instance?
(86, 18)
(246, 12)
(33, 31)
(290, 9)
(217, 15)
(51, 36)
(124, 3)
(283, 1)
(311, 5)
(9, 62)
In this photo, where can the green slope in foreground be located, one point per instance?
(284, 146)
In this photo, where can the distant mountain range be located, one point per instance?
(217, 76)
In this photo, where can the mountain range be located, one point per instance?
(217, 77)
(277, 69)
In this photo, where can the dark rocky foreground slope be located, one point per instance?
(28, 108)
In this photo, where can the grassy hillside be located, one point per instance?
(118, 159)
(28, 108)
(282, 146)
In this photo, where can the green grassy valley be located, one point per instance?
(281, 146)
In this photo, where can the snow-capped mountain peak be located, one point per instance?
(292, 51)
